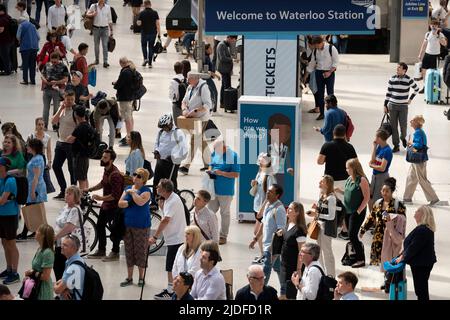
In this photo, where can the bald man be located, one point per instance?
(256, 290)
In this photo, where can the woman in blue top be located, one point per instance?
(135, 201)
(37, 190)
(418, 171)
(136, 156)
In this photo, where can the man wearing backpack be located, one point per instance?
(333, 117)
(125, 95)
(7, 36)
(71, 285)
(177, 90)
(324, 61)
(172, 227)
(308, 282)
(80, 139)
(9, 219)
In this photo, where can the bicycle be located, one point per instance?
(89, 207)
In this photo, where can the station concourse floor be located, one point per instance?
(361, 83)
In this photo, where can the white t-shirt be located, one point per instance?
(433, 44)
(68, 215)
(174, 231)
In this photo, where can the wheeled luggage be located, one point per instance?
(230, 99)
(432, 86)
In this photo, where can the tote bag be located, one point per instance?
(34, 215)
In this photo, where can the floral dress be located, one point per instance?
(41, 260)
(375, 218)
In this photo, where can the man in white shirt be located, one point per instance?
(209, 283)
(56, 16)
(171, 227)
(324, 62)
(170, 150)
(102, 20)
(174, 90)
(345, 287)
(204, 218)
(310, 279)
(197, 104)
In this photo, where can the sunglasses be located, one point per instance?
(137, 175)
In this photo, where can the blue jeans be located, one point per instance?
(39, 8)
(269, 265)
(101, 34)
(321, 84)
(29, 65)
(147, 42)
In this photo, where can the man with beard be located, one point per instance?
(112, 185)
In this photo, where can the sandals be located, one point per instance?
(126, 283)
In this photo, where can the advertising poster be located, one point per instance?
(270, 125)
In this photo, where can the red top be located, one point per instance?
(48, 49)
(81, 65)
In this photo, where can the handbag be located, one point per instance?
(30, 288)
(92, 77)
(34, 215)
(211, 131)
(48, 181)
(111, 44)
(416, 155)
(88, 22)
(313, 229)
(253, 190)
(386, 124)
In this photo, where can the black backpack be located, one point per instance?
(13, 27)
(138, 86)
(148, 166)
(182, 88)
(73, 66)
(93, 288)
(326, 286)
(349, 256)
(95, 147)
(22, 190)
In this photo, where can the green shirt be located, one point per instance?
(17, 161)
(353, 195)
(41, 260)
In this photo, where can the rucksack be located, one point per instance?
(95, 147)
(330, 49)
(22, 190)
(93, 288)
(138, 86)
(327, 285)
(349, 126)
(182, 88)
(73, 66)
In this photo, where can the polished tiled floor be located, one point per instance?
(360, 88)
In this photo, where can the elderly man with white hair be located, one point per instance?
(197, 104)
(256, 290)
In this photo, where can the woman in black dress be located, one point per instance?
(294, 236)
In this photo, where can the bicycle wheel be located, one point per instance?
(188, 197)
(156, 220)
(90, 232)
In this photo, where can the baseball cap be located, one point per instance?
(5, 162)
(78, 73)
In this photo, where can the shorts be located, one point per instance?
(8, 227)
(376, 184)
(80, 167)
(257, 219)
(170, 257)
(429, 61)
(126, 109)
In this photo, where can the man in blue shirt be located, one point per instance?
(224, 169)
(333, 117)
(70, 287)
(273, 221)
(28, 38)
(9, 219)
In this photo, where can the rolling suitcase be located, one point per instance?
(230, 99)
(397, 288)
(432, 86)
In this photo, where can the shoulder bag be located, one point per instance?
(417, 155)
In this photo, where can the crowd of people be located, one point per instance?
(348, 201)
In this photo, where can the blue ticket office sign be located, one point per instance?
(415, 9)
(268, 125)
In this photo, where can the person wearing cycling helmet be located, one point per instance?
(170, 150)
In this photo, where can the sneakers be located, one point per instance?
(112, 256)
(259, 260)
(432, 203)
(60, 196)
(11, 278)
(4, 274)
(404, 143)
(222, 240)
(163, 295)
(396, 149)
(343, 235)
(99, 254)
(183, 170)
(126, 283)
(144, 63)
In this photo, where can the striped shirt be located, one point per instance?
(398, 90)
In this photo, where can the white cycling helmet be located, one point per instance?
(165, 120)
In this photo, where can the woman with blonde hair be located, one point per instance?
(356, 198)
(188, 254)
(325, 210)
(42, 264)
(419, 251)
(417, 173)
(135, 201)
(136, 155)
